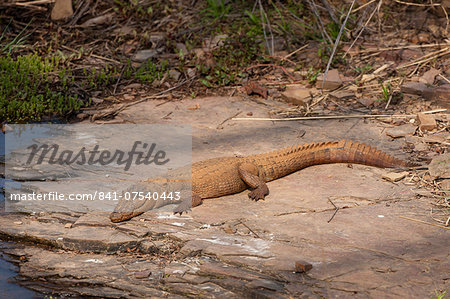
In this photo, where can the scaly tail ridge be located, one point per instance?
(360, 153)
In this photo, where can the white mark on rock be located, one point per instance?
(380, 216)
(82, 135)
(255, 246)
(178, 223)
(95, 261)
(169, 216)
(178, 272)
(215, 241)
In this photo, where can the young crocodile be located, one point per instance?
(223, 176)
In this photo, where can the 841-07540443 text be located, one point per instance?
(97, 195)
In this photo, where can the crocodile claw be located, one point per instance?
(258, 193)
(184, 207)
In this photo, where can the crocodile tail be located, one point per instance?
(347, 151)
(288, 160)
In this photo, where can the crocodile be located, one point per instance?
(228, 175)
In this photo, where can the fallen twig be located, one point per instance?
(272, 65)
(240, 222)
(335, 211)
(392, 93)
(418, 4)
(400, 47)
(325, 117)
(448, 81)
(118, 80)
(362, 6)
(301, 21)
(105, 58)
(426, 58)
(434, 111)
(296, 51)
(93, 55)
(159, 94)
(331, 11)
(424, 222)
(82, 7)
(362, 29)
(115, 110)
(220, 126)
(337, 116)
(32, 4)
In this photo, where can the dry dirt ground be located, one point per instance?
(381, 242)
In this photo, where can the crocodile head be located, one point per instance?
(127, 209)
(122, 216)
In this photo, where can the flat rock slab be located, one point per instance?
(350, 224)
(401, 131)
(440, 167)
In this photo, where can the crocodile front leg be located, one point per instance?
(249, 174)
(187, 204)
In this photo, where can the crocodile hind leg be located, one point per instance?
(249, 174)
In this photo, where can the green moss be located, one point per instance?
(149, 71)
(135, 8)
(31, 88)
